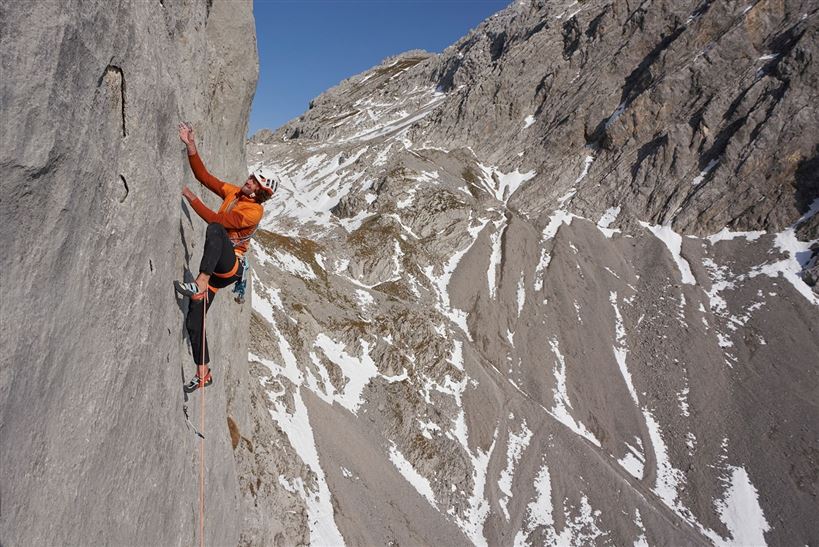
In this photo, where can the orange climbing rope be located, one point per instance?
(202, 377)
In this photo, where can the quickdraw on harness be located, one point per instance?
(240, 286)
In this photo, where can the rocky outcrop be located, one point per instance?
(546, 287)
(262, 136)
(714, 100)
(93, 442)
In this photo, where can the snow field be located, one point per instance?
(528, 121)
(501, 185)
(621, 347)
(557, 219)
(496, 239)
(740, 511)
(412, 476)
(440, 282)
(633, 462)
(561, 405)
(299, 432)
(673, 241)
(515, 445)
(580, 525)
(740, 497)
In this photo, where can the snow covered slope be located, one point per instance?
(546, 287)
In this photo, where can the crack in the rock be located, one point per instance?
(115, 77)
(571, 37)
(124, 185)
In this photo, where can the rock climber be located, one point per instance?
(226, 241)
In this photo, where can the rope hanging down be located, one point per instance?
(202, 376)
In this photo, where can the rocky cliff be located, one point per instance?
(93, 442)
(547, 286)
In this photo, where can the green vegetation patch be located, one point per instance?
(372, 235)
(442, 200)
(395, 289)
(302, 248)
(472, 181)
(403, 64)
(331, 119)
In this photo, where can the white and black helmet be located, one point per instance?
(267, 178)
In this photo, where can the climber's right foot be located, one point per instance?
(189, 289)
(198, 382)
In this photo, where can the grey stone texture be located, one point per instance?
(494, 312)
(93, 442)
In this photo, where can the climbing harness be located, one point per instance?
(239, 240)
(230, 273)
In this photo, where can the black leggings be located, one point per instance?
(217, 258)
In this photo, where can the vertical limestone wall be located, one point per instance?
(94, 447)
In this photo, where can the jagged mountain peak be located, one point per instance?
(678, 107)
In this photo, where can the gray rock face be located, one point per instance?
(93, 442)
(545, 287)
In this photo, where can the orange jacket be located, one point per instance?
(238, 213)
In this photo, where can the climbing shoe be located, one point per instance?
(194, 384)
(189, 289)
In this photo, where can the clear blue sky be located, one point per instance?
(308, 46)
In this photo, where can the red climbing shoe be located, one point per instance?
(189, 289)
(194, 384)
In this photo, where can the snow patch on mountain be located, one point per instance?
(296, 426)
(496, 239)
(441, 281)
(503, 185)
(358, 371)
(515, 445)
(673, 241)
(558, 218)
(621, 347)
(606, 220)
(412, 476)
(740, 511)
(561, 405)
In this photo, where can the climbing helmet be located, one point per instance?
(267, 178)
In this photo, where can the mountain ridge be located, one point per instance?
(532, 295)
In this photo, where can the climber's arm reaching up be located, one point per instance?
(199, 171)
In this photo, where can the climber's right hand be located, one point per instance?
(188, 195)
(186, 133)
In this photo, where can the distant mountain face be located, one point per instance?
(547, 287)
